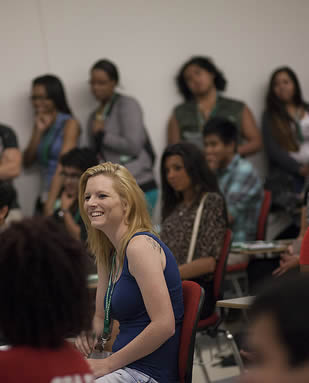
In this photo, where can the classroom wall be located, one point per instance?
(148, 40)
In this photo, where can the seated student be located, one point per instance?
(279, 333)
(7, 199)
(43, 300)
(138, 276)
(10, 165)
(186, 180)
(66, 209)
(238, 180)
(200, 83)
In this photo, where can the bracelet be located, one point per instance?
(61, 212)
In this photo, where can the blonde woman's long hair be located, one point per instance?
(137, 216)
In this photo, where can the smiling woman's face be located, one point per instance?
(102, 203)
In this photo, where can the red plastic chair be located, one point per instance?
(193, 296)
(238, 270)
(261, 231)
(210, 325)
(304, 250)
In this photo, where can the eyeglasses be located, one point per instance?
(73, 176)
(38, 98)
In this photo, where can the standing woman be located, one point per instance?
(55, 132)
(186, 181)
(139, 283)
(117, 131)
(285, 130)
(200, 83)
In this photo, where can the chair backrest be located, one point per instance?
(221, 265)
(193, 297)
(261, 229)
(304, 250)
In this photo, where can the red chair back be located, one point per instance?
(221, 265)
(193, 298)
(261, 230)
(304, 250)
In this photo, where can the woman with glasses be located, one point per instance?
(54, 133)
(117, 131)
(74, 163)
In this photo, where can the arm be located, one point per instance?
(276, 154)
(146, 261)
(70, 138)
(132, 137)
(251, 134)
(173, 133)
(86, 342)
(209, 240)
(30, 152)
(303, 223)
(10, 164)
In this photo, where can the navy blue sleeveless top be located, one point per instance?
(127, 306)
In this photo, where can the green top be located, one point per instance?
(191, 121)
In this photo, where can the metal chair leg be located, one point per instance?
(201, 362)
(235, 350)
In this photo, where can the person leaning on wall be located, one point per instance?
(117, 131)
(54, 133)
(201, 84)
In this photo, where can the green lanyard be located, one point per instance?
(113, 275)
(107, 108)
(47, 141)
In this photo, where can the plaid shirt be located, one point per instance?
(243, 193)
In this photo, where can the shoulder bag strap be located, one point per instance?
(195, 228)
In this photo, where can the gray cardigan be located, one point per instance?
(124, 139)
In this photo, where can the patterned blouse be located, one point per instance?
(176, 230)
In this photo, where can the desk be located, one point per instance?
(279, 247)
(236, 303)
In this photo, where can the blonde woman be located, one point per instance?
(139, 282)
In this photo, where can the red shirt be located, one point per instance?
(29, 365)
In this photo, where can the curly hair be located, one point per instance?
(204, 63)
(43, 285)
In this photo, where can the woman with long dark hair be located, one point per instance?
(55, 132)
(117, 131)
(186, 181)
(285, 131)
(201, 83)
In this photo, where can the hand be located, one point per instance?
(99, 367)
(97, 126)
(304, 170)
(43, 121)
(67, 200)
(287, 262)
(85, 343)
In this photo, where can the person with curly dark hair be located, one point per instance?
(200, 82)
(187, 182)
(43, 300)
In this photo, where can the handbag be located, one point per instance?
(196, 226)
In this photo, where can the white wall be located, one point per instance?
(148, 40)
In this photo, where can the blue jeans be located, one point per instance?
(126, 375)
